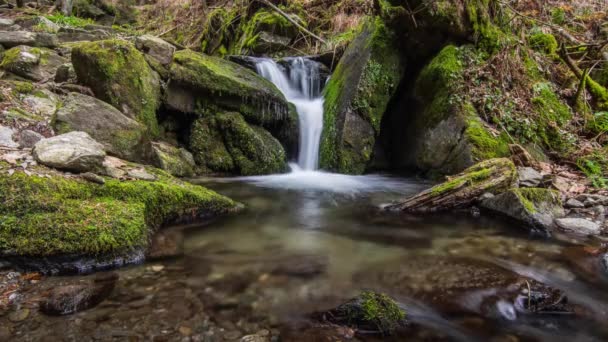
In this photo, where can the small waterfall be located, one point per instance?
(300, 81)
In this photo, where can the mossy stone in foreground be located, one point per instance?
(119, 74)
(56, 216)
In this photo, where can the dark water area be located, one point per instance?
(308, 242)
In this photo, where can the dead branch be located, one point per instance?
(290, 19)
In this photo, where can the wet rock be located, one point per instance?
(121, 136)
(36, 64)
(177, 161)
(166, 244)
(534, 207)
(74, 151)
(573, 203)
(19, 315)
(528, 177)
(6, 137)
(69, 299)
(304, 266)
(29, 138)
(141, 174)
(579, 226)
(155, 47)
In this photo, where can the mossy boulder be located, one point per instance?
(119, 74)
(31, 63)
(56, 216)
(226, 143)
(121, 136)
(257, 30)
(176, 161)
(357, 97)
(444, 134)
(535, 208)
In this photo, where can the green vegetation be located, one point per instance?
(534, 198)
(544, 42)
(42, 216)
(71, 21)
(477, 173)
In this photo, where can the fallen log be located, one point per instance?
(462, 190)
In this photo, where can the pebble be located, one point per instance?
(186, 331)
(19, 315)
(157, 268)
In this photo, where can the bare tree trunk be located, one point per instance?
(65, 6)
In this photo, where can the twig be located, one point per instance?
(286, 16)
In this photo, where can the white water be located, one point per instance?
(301, 85)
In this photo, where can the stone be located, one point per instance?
(350, 129)
(155, 47)
(528, 177)
(6, 137)
(74, 151)
(65, 73)
(36, 64)
(19, 315)
(43, 103)
(71, 35)
(141, 174)
(536, 208)
(268, 42)
(177, 161)
(119, 75)
(226, 143)
(11, 39)
(167, 243)
(29, 138)
(93, 178)
(579, 226)
(69, 299)
(121, 136)
(6, 22)
(45, 25)
(573, 203)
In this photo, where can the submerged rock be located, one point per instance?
(121, 136)
(74, 151)
(226, 143)
(119, 74)
(69, 299)
(536, 208)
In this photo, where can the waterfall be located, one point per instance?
(300, 81)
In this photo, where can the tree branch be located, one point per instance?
(286, 16)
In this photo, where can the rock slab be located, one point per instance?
(74, 151)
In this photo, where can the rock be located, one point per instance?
(6, 23)
(521, 157)
(29, 138)
(592, 199)
(93, 178)
(528, 177)
(42, 103)
(141, 174)
(74, 151)
(574, 203)
(156, 48)
(370, 311)
(112, 167)
(36, 64)
(350, 130)
(45, 25)
(6, 137)
(19, 315)
(232, 88)
(177, 161)
(121, 136)
(267, 42)
(579, 226)
(167, 243)
(69, 299)
(11, 39)
(534, 207)
(71, 35)
(66, 73)
(462, 190)
(118, 74)
(225, 143)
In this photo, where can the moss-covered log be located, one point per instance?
(462, 190)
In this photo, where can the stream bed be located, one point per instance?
(309, 241)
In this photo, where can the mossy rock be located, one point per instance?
(57, 216)
(263, 22)
(119, 74)
(176, 161)
(226, 143)
(535, 208)
(32, 63)
(357, 97)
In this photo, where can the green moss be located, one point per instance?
(263, 20)
(48, 216)
(594, 166)
(475, 174)
(22, 87)
(70, 21)
(533, 198)
(119, 74)
(543, 42)
(220, 30)
(380, 310)
(552, 116)
(488, 36)
(484, 145)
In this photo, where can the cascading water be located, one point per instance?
(300, 82)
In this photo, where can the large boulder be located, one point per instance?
(535, 208)
(443, 133)
(226, 143)
(36, 64)
(121, 136)
(357, 97)
(177, 161)
(156, 48)
(118, 74)
(74, 151)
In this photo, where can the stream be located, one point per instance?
(310, 240)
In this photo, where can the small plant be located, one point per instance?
(71, 21)
(592, 168)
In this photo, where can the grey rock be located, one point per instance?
(528, 177)
(69, 299)
(29, 138)
(574, 203)
(268, 43)
(592, 199)
(5, 23)
(178, 162)
(46, 25)
(121, 136)
(34, 64)
(6, 137)
(93, 178)
(65, 73)
(155, 47)
(141, 174)
(74, 151)
(579, 225)
(43, 103)
(15, 38)
(69, 35)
